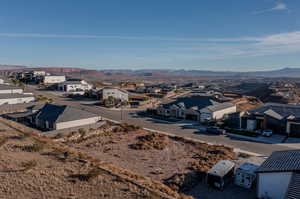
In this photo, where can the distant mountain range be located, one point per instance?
(284, 72)
(11, 67)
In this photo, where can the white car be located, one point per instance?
(267, 132)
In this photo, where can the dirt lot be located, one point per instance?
(34, 167)
(177, 162)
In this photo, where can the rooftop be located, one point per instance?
(13, 95)
(281, 161)
(64, 113)
(220, 106)
(277, 110)
(8, 87)
(193, 101)
(71, 82)
(221, 168)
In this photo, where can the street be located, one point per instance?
(184, 129)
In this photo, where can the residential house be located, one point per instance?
(281, 118)
(56, 117)
(116, 93)
(197, 108)
(31, 76)
(9, 89)
(74, 86)
(217, 111)
(153, 89)
(15, 98)
(279, 176)
(53, 79)
(141, 89)
(14, 95)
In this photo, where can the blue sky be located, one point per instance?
(241, 35)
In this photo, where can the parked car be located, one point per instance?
(215, 130)
(267, 132)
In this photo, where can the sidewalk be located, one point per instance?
(274, 139)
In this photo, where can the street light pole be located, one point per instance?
(121, 112)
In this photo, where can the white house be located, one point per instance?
(198, 108)
(217, 111)
(9, 89)
(15, 98)
(153, 89)
(117, 93)
(54, 79)
(74, 86)
(278, 177)
(56, 117)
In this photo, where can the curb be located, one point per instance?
(196, 140)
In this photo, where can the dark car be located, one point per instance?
(215, 130)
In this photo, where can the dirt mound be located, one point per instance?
(151, 141)
(181, 182)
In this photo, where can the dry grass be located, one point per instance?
(3, 141)
(92, 174)
(138, 185)
(28, 165)
(151, 141)
(37, 146)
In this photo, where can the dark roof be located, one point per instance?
(8, 87)
(119, 89)
(281, 161)
(193, 101)
(293, 191)
(220, 106)
(18, 115)
(278, 111)
(71, 82)
(64, 113)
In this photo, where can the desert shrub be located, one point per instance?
(92, 174)
(151, 141)
(129, 127)
(82, 132)
(71, 134)
(244, 155)
(3, 140)
(242, 132)
(117, 129)
(35, 147)
(183, 182)
(58, 136)
(28, 165)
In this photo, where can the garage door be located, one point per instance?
(295, 130)
(191, 117)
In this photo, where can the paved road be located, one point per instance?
(182, 129)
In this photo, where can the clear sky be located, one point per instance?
(222, 35)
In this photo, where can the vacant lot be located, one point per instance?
(34, 167)
(177, 162)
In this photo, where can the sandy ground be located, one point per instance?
(176, 158)
(33, 169)
(157, 164)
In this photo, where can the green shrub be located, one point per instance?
(242, 132)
